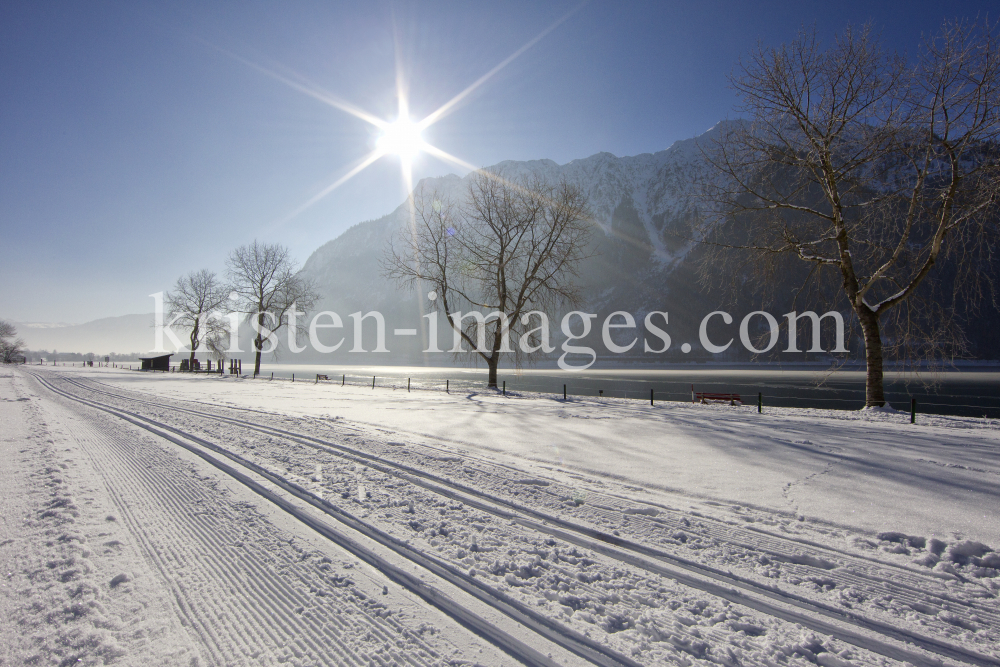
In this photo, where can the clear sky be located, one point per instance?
(141, 140)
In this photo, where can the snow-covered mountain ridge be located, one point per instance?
(654, 184)
(639, 203)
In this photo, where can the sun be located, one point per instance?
(402, 138)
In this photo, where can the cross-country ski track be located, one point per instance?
(525, 563)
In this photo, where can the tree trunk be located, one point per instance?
(494, 359)
(194, 343)
(874, 392)
(258, 342)
(492, 364)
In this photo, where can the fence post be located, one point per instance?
(447, 386)
(760, 401)
(373, 382)
(293, 377)
(272, 375)
(650, 396)
(692, 394)
(343, 379)
(407, 384)
(504, 387)
(564, 392)
(913, 411)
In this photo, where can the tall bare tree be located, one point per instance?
(193, 302)
(263, 277)
(874, 171)
(10, 345)
(512, 247)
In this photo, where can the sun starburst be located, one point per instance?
(402, 137)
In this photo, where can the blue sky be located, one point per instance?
(137, 143)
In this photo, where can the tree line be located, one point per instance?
(261, 282)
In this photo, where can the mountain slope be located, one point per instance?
(642, 219)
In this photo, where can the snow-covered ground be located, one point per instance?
(874, 472)
(666, 534)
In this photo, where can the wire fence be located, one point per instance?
(837, 396)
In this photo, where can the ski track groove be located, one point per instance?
(906, 589)
(178, 509)
(204, 528)
(602, 654)
(779, 546)
(170, 501)
(281, 599)
(157, 555)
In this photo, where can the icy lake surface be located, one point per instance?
(969, 393)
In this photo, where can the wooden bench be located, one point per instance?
(321, 377)
(711, 397)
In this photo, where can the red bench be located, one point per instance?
(714, 397)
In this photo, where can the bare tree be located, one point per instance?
(267, 287)
(217, 349)
(10, 345)
(511, 248)
(193, 303)
(875, 172)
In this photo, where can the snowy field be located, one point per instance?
(203, 520)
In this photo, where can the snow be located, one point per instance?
(858, 512)
(868, 470)
(96, 572)
(63, 549)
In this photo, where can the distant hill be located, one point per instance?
(127, 333)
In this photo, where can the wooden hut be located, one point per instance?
(155, 361)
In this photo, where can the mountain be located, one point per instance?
(639, 248)
(638, 203)
(642, 261)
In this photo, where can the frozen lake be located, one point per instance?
(971, 393)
